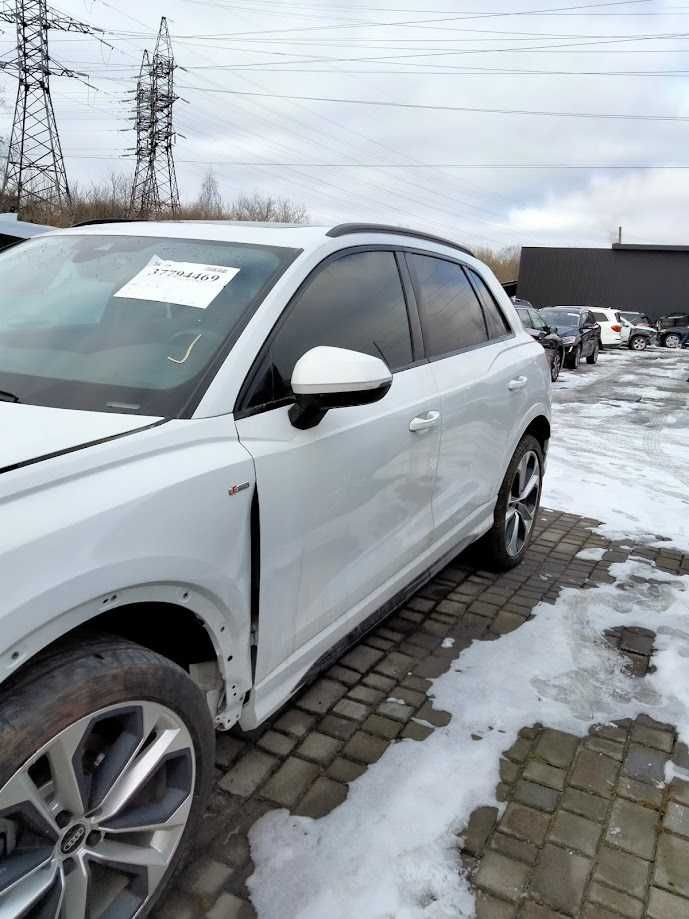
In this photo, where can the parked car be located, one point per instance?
(228, 451)
(637, 337)
(674, 337)
(544, 335)
(579, 331)
(671, 320)
(635, 318)
(610, 326)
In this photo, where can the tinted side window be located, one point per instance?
(496, 322)
(538, 323)
(600, 317)
(354, 302)
(451, 316)
(525, 317)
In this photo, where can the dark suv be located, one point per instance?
(544, 335)
(579, 331)
(673, 330)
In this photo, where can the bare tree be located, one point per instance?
(210, 200)
(267, 209)
(503, 262)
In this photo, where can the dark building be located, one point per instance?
(651, 279)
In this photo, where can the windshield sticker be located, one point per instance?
(182, 283)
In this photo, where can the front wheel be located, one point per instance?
(519, 498)
(593, 357)
(672, 340)
(638, 342)
(574, 358)
(556, 365)
(106, 757)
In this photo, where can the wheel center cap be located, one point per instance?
(73, 838)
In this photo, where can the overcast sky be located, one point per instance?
(621, 59)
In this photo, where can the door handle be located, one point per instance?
(423, 422)
(518, 383)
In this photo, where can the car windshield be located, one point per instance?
(125, 323)
(559, 318)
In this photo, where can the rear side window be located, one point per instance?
(354, 302)
(600, 317)
(495, 321)
(451, 315)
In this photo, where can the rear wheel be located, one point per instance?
(517, 506)
(556, 365)
(672, 340)
(106, 756)
(638, 342)
(593, 357)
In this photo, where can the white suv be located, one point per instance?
(610, 326)
(228, 451)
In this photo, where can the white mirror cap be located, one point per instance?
(338, 370)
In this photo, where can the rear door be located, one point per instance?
(481, 372)
(345, 507)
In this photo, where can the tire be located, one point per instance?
(495, 546)
(638, 343)
(79, 718)
(556, 366)
(574, 359)
(593, 358)
(672, 340)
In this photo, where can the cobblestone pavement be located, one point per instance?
(589, 829)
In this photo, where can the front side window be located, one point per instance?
(526, 318)
(451, 315)
(122, 323)
(355, 302)
(536, 320)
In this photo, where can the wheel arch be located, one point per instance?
(539, 427)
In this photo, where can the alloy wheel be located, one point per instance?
(672, 341)
(556, 366)
(522, 503)
(639, 343)
(89, 825)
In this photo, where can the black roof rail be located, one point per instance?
(345, 229)
(96, 220)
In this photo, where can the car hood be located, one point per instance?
(31, 433)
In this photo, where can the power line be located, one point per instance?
(447, 108)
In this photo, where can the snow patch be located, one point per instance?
(594, 554)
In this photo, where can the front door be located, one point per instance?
(345, 507)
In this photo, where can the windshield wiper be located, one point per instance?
(8, 396)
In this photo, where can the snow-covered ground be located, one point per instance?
(620, 446)
(390, 851)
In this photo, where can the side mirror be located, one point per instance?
(537, 334)
(325, 378)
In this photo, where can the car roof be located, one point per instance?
(570, 309)
(295, 236)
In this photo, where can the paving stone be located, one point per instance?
(296, 723)
(341, 728)
(502, 876)
(557, 748)
(365, 747)
(594, 773)
(560, 878)
(481, 824)
(519, 750)
(575, 832)
(595, 911)
(319, 747)
(515, 848)
(361, 658)
(488, 907)
(509, 772)
(616, 900)
(543, 774)
(230, 907)
(413, 698)
(395, 665)
(431, 667)
(605, 746)
(344, 675)
(228, 749)
(610, 731)
(532, 910)
(645, 764)
(525, 823)
(679, 791)
(382, 727)
(377, 681)
(506, 622)
(672, 861)
(632, 828)
(290, 781)
(642, 793)
(435, 716)
(415, 731)
(538, 796)
(344, 770)
(247, 774)
(397, 710)
(350, 709)
(321, 697)
(662, 740)
(323, 796)
(205, 878)
(622, 870)
(676, 819)
(581, 802)
(664, 905)
(276, 743)
(366, 695)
